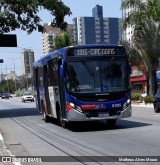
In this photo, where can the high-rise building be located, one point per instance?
(48, 38)
(11, 75)
(2, 76)
(27, 59)
(97, 29)
(49, 35)
(128, 33)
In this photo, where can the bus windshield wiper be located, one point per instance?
(87, 67)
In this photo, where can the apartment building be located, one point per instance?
(97, 29)
(128, 33)
(49, 35)
(48, 38)
(27, 59)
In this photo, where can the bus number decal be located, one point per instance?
(116, 105)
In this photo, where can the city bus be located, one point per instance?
(83, 83)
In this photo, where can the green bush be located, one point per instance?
(148, 99)
(135, 96)
(19, 93)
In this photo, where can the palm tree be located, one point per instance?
(146, 38)
(141, 10)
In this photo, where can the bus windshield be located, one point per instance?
(96, 76)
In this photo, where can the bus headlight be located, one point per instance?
(72, 106)
(126, 104)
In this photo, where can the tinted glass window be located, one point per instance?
(93, 76)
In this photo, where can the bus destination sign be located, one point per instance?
(96, 51)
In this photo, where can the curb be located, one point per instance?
(143, 105)
(5, 153)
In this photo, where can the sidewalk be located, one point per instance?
(4, 152)
(139, 104)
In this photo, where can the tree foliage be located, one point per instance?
(65, 39)
(147, 40)
(141, 10)
(145, 17)
(23, 14)
(22, 84)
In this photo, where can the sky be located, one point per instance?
(79, 8)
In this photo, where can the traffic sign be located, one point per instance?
(8, 40)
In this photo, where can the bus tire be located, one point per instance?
(111, 123)
(45, 117)
(62, 122)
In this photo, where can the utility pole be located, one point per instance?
(27, 80)
(14, 72)
(7, 79)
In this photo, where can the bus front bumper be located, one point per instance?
(74, 115)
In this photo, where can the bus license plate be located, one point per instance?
(103, 115)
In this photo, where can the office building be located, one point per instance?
(97, 29)
(27, 59)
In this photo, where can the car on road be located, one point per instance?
(5, 95)
(10, 95)
(27, 96)
(156, 102)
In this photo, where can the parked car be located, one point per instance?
(27, 96)
(156, 102)
(5, 96)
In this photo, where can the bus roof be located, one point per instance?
(61, 52)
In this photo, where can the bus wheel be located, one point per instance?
(45, 117)
(111, 122)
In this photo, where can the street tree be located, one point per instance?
(147, 40)
(22, 14)
(64, 39)
(145, 20)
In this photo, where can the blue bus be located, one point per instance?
(84, 83)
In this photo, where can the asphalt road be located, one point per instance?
(26, 134)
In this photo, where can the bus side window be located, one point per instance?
(40, 77)
(50, 74)
(53, 73)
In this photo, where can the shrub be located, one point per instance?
(135, 96)
(148, 99)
